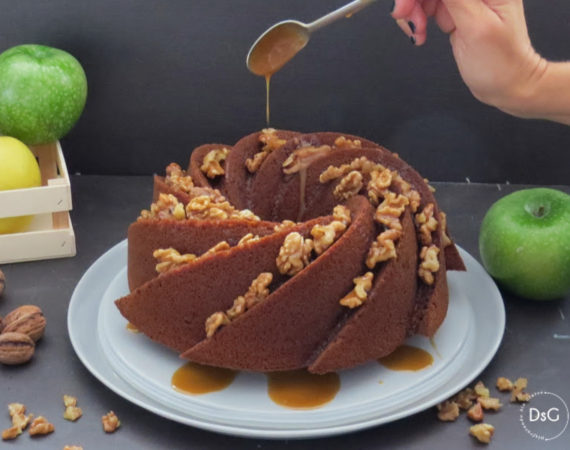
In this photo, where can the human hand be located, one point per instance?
(490, 44)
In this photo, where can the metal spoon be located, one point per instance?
(281, 42)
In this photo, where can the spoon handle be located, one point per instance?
(346, 10)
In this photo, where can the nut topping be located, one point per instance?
(270, 142)
(72, 411)
(343, 142)
(15, 348)
(389, 211)
(448, 411)
(359, 294)
(166, 207)
(348, 186)
(429, 264)
(178, 178)
(215, 321)
(294, 254)
(427, 224)
(169, 258)
(211, 164)
(383, 248)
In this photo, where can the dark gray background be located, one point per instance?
(166, 76)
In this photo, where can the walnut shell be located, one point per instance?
(27, 319)
(16, 348)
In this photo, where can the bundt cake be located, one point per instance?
(285, 251)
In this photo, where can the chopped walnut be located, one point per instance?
(211, 164)
(445, 240)
(343, 142)
(380, 181)
(475, 413)
(426, 223)
(237, 309)
(490, 403)
(19, 420)
(429, 264)
(389, 211)
(203, 207)
(482, 432)
(259, 289)
(430, 187)
(219, 247)
(518, 394)
(348, 186)
(294, 254)
(284, 225)
(178, 178)
(72, 411)
(110, 422)
(166, 207)
(40, 426)
(342, 214)
(253, 164)
(249, 237)
(406, 189)
(215, 321)
(215, 208)
(504, 384)
(169, 258)
(72, 447)
(448, 411)
(268, 137)
(256, 293)
(270, 142)
(11, 433)
(362, 165)
(383, 248)
(301, 158)
(325, 235)
(481, 390)
(359, 294)
(465, 398)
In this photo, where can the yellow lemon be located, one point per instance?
(18, 169)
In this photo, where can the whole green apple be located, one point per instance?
(42, 93)
(524, 243)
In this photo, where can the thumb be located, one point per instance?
(465, 13)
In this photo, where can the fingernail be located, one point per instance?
(412, 26)
(413, 40)
(393, 6)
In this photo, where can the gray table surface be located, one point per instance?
(103, 208)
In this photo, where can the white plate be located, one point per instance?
(140, 370)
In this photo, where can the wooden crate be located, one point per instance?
(50, 234)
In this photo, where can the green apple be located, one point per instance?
(524, 243)
(42, 93)
(18, 169)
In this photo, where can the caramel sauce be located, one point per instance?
(132, 328)
(407, 357)
(273, 52)
(299, 389)
(194, 378)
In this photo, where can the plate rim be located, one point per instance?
(98, 369)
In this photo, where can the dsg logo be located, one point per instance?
(546, 418)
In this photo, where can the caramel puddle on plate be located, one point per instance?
(299, 389)
(194, 378)
(407, 357)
